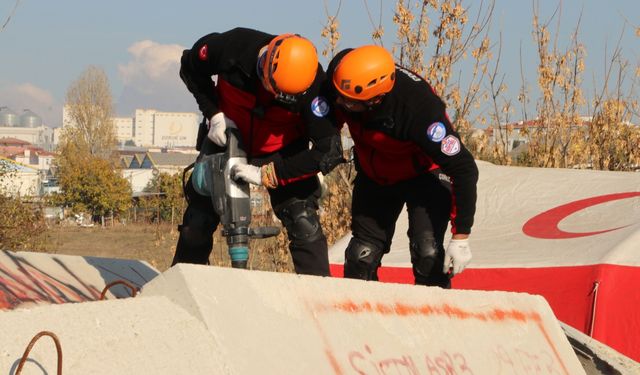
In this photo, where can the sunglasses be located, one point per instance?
(349, 103)
(287, 98)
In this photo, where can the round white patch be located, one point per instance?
(450, 145)
(319, 106)
(436, 132)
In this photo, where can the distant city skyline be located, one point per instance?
(47, 45)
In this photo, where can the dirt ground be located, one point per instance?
(151, 243)
(154, 244)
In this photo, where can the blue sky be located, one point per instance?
(46, 45)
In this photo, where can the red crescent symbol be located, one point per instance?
(203, 53)
(545, 225)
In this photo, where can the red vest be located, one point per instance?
(261, 135)
(387, 160)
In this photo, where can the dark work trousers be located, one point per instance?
(310, 255)
(376, 208)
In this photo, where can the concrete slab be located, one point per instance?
(597, 358)
(127, 336)
(568, 235)
(28, 279)
(272, 323)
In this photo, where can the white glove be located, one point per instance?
(247, 172)
(457, 256)
(217, 126)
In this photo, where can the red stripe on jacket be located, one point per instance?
(264, 134)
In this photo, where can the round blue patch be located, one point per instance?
(436, 132)
(319, 106)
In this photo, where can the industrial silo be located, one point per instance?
(8, 117)
(28, 119)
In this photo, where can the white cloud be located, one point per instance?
(151, 62)
(40, 96)
(29, 96)
(151, 79)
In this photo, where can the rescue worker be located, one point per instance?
(406, 149)
(267, 86)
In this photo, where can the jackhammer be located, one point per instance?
(231, 198)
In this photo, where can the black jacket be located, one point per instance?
(408, 134)
(232, 56)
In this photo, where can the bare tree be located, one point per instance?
(378, 29)
(500, 112)
(554, 138)
(562, 135)
(90, 108)
(330, 32)
(452, 36)
(13, 12)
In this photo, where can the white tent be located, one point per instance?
(572, 236)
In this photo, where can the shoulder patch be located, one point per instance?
(436, 132)
(319, 106)
(450, 145)
(202, 54)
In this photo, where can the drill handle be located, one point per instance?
(263, 232)
(235, 146)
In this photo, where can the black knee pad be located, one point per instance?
(301, 220)
(424, 254)
(361, 260)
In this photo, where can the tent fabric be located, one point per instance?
(572, 236)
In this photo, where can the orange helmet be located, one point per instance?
(364, 73)
(290, 65)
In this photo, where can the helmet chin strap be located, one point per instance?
(262, 54)
(262, 57)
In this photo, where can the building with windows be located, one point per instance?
(514, 135)
(175, 129)
(27, 127)
(150, 128)
(139, 169)
(17, 179)
(124, 129)
(27, 158)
